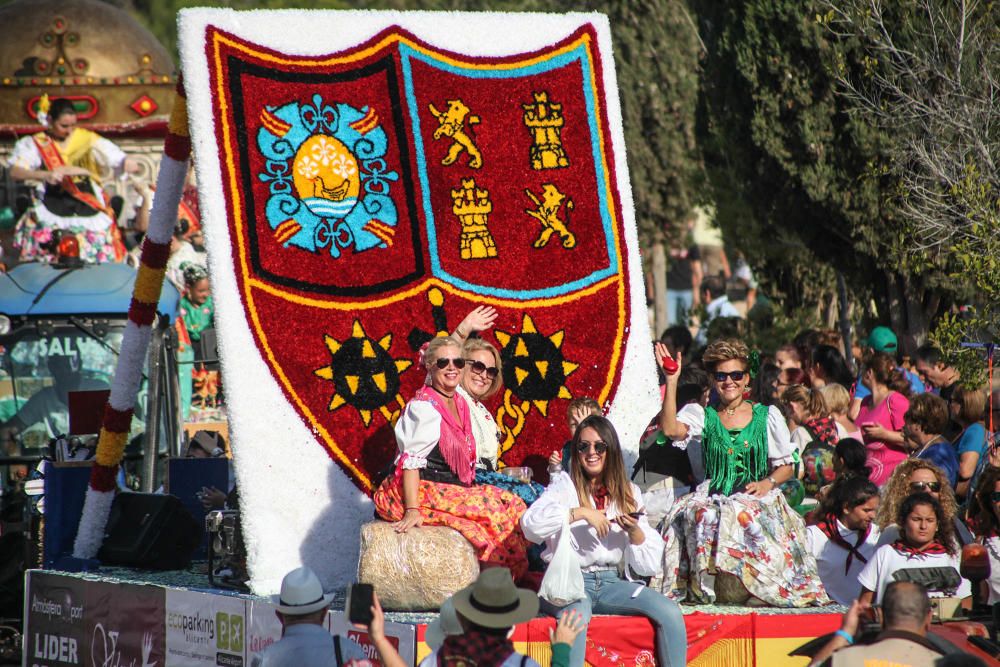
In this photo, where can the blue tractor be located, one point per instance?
(61, 328)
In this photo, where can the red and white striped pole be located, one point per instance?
(138, 330)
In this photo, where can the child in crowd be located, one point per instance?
(845, 537)
(787, 356)
(578, 410)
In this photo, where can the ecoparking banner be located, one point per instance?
(205, 629)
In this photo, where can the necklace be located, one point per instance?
(732, 411)
(927, 444)
(448, 396)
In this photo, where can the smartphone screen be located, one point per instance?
(360, 599)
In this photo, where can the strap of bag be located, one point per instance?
(336, 650)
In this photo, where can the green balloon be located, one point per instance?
(7, 218)
(794, 492)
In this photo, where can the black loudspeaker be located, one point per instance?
(151, 531)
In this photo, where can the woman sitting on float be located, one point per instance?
(738, 520)
(482, 378)
(609, 533)
(434, 483)
(64, 160)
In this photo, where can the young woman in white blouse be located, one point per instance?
(845, 537)
(611, 537)
(927, 541)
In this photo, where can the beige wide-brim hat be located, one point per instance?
(301, 593)
(493, 601)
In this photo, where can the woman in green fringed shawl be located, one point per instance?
(737, 522)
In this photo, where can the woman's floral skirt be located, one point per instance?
(713, 541)
(487, 516)
(97, 236)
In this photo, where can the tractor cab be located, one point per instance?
(61, 328)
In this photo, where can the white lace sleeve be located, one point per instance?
(691, 415)
(417, 432)
(779, 441)
(112, 156)
(26, 155)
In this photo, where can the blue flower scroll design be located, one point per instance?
(343, 222)
(376, 176)
(319, 117)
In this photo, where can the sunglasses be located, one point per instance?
(995, 496)
(583, 447)
(925, 486)
(736, 376)
(442, 362)
(479, 368)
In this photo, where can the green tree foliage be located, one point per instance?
(929, 81)
(781, 154)
(797, 176)
(160, 16)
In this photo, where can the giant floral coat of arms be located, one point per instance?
(367, 196)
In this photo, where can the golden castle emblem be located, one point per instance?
(473, 207)
(544, 119)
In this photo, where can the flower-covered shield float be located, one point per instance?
(367, 179)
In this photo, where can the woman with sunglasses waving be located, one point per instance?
(918, 476)
(434, 483)
(738, 520)
(926, 542)
(482, 378)
(610, 534)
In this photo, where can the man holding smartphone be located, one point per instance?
(302, 607)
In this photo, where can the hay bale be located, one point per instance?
(416, 570)
(730, 590)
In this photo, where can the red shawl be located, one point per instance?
(823, 429)
(828, 526)
(457, 443)
(935, 548)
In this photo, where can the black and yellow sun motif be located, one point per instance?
(534, 373)
(534, 369)
(364, 374)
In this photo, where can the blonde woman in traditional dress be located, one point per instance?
(434, 483)
(737, 522)
(482, 378)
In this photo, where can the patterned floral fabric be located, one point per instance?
(759, 541)
(31, 237)
(488, 517)
(529, 492)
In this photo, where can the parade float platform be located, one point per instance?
(174, 618)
